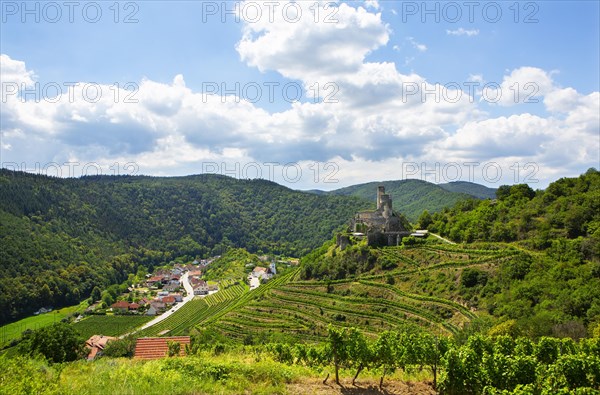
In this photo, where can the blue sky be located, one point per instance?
(369, 53)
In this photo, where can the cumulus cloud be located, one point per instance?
(334, 43)
(522, 85)
(381, 117)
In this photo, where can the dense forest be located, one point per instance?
(564, 218)
(61, 237)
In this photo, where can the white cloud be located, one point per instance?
(376, 124)
(372, 4)
(522, 85)
(419, 47)
(308, 48)
(14, 72)
(463, 32)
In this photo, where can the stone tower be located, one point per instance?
(380, 193)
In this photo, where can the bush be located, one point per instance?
(57, 343)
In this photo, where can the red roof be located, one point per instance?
(168, 299)
(157, 347)
(134, 306)
(155, 279)
(96, 343)
(121, 304)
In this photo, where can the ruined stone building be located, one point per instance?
(381, 226)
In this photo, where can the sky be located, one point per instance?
(309, 94)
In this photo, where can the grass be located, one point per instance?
(13, 331)
(240, 371)
(109, 325)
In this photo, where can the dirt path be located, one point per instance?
(442, 238)
(363, 387)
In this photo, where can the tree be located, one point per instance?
(46, 295)
(503, 192)
(96, 294)
(120, 348)
(57, 343)
(107, 299)
(173, 348)
(424, 220)
(428, 351)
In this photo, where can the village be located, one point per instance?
(161, 294)
(161, 290)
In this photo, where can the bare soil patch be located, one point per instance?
(315, 386)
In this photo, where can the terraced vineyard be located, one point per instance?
(208, 310)
(303, 309)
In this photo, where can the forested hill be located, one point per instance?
(470, 188)
(410, 197)
(567, 212)
(60, 237)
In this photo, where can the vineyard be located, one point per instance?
(484, 365)
(302, 310)
(109, 325)
(285, 307)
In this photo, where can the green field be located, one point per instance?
(110, 325)
(13, 331)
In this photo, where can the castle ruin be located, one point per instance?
(381, 226)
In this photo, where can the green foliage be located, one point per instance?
(173, 348)
(324, 264)
(234, 264)
(120, 348)
(506, 366)
(473, 277)
(75, 234)
(12, 332)
(424, 220)
(96, 294)
(482, 365)
(57, 343)
(567, 209)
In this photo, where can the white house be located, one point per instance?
(200, 288)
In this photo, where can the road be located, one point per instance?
(163, 316)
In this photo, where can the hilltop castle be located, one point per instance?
(382, 226)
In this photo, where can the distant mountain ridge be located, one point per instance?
(477, 190)
(411, 196)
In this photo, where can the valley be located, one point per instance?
(430, 296)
